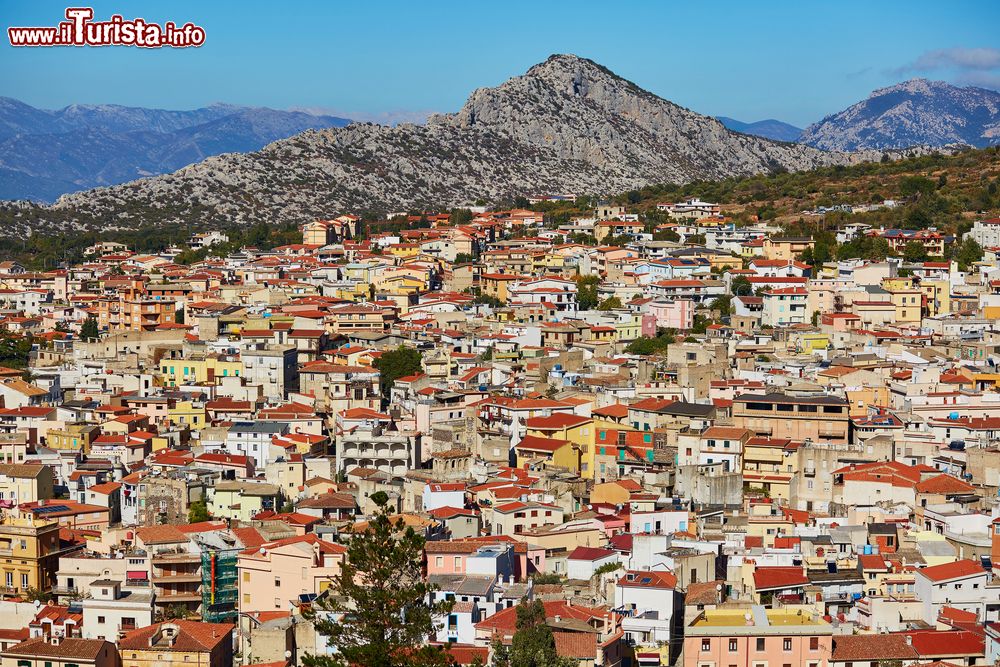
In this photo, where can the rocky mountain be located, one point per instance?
(915, 112)
(769, 129)
(44, 154)
(567, 125)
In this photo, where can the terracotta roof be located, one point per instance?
(191, 636)
(67, 648)
(590, 553)
(767, 578)
(955, 570)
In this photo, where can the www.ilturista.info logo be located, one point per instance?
(81, 30)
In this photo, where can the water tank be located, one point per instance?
(557, 367)
(482, 387)
(953, 415)
(868, 550)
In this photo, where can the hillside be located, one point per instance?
(915, 112)
(567, 125)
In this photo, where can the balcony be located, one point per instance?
(181, 578)
(174, 557)
(170, 598)
(65, 590)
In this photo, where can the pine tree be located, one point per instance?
(533, 644)
(89, 329)
(378, 613)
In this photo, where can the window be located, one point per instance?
(439, 561)
(760, 643)
(733, 646)
(706, 644)
(277, 582)
(786, 644)
(458, 562)
(814, 643)
(100, 619)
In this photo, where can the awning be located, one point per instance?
(137, 574)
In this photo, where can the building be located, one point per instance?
(776, 415)
(177, 643)
(65, 652)
(757, 636)
(32, 547)
(274, 575)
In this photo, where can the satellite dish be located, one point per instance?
(38, 603)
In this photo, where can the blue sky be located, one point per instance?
(795, 61)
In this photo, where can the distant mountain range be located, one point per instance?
(567, 125)
(44, 154)
(770, 128)
(915, 112)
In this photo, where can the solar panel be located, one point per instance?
(47, 509)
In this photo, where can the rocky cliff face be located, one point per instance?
(567, 125)
(916, 112)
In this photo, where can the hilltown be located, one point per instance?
(698, 451)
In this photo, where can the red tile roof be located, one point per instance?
(955, 570)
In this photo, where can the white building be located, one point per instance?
(961, 584)
(646, 599)
(110, 611)
(985, 232)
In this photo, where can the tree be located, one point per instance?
(397, 363)
(488, 300)
(379, 612)
(723, 304)
(610, 303)
(198, 511)
(533, 644)
(586, 291)
(914, 251)
(89, 329)
(464, 258)
(741, 286)
(968, 252)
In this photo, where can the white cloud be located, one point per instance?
(967, 66)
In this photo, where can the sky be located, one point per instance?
(389, 61)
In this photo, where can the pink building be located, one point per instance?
(755, 636)
(274, 574)
(677, 314)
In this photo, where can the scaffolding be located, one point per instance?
(219, 589)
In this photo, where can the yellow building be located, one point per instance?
(188, 413)
(561, 453)
(908, 305)
(76, 437)
(766, 466)
(937, 296)
(576, 430)
(197, 371)
(30, 550)
(812, 342)
(26, 482)
(496, 284)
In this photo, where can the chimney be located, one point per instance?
(908, 639)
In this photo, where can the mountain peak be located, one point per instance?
(917, 112)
